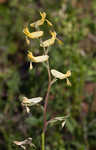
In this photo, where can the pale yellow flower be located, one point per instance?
(22, 144)
(50, 41)
(61, 76)
(33, 35)
(37, 59)
(30, 102)
(41, 21)
(58, 119)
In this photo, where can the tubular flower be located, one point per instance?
(61, 76)
(31, 102)
(38, 58)
(22, 144)
(33, 35)
(41, 21)
(49, 42)
(58, 119)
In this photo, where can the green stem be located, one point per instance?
(43, 141)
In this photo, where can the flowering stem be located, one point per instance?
(47, 96)
(45, 106)
(43, 141)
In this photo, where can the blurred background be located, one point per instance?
(75, 24)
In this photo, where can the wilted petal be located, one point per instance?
(38, 58)
(58, 119)
(20, 143)
(27, 141)
(32, 35)
(17, 142)
(30, 102)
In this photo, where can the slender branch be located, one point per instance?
(46, 99)
(47, 96)
(43, 141)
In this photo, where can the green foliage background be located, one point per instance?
(75, 23)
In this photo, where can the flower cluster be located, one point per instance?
(26, 102)
(43, 58)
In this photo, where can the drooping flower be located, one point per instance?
(58, 119)
(41, 21)
(22, 144)
(50, 41)
(61, 76)
(32, 35)
(37, 59)
(30, 102)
